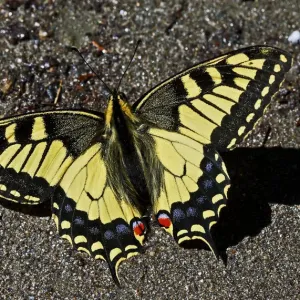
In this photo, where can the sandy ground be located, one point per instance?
(259, 231)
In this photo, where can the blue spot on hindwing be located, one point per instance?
(78, 221)
(122, 229)
(191, 212)
(209, 166)
(94, 230)
(68, 208)
(201, 199)
(207, 184)
(178, 215)
(109, 235)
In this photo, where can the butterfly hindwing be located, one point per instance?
(218, 101)
(91, 218)
(194, 187)
(36, 149)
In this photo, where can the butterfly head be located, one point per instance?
(118, 110)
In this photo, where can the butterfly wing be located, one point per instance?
(207, 108)
(194, 187)
(91, 218)
(36, 149)
(55, 156)
(218, 101)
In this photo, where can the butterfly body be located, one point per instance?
(128, 144)
(102, 171)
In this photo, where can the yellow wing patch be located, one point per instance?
(39, 129)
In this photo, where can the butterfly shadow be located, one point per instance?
(40, 210)
(259, 177)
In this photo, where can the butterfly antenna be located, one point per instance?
(107, 87)
(132, 57)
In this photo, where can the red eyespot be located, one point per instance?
(164, 220)
(138, 227)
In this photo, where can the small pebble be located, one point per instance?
(294, 38)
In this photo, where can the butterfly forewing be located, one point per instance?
(219, 101)
(36, 150)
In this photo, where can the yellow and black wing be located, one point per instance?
(207, 108)
(36, 149)
(89, 215)
(56, 156)
(194, 187)
(218, 101)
